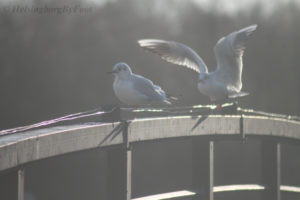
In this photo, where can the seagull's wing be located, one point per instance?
(159, 90)
(175, 53)
(229, 51)
(145, 87)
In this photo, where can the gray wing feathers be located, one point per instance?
(229, 51)
(175, 53)
(147, 88)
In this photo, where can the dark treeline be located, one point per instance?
(52, 64)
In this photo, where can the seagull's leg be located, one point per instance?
(227, 109)
(215, 107)
(133, 112)
(219, 103)
(219, 107)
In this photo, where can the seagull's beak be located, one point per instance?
(111, 72)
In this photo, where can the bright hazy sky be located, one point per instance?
(221, 5)
(228, 5)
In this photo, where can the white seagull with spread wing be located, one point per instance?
(223, 83)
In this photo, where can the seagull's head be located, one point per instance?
(121, 70)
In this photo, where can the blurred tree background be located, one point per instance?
(55, 63)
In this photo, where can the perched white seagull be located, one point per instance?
(225, 82)
(136, 90)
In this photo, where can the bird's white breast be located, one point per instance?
(212, 89)
(127, 94)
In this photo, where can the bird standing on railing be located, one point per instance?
(223, 83)
(136, 90)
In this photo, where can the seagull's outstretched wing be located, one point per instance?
(175, 53)
(229, 51)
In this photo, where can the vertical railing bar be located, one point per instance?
(128, 162)
(21, 185)
(128, 174)
(242, 133)
(278, 170)
(211, 170)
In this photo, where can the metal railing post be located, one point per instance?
(203, 168)
(21, 185)
(271, 169)
(211, 170)
(128, 163)
(278, 171)
(119, 169)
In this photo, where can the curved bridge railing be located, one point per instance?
(20, 150)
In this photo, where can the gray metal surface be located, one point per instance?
(17, 149)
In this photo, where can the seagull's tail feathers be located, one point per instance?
(168, 98)
(167, 102)
(239, 94)
(171, 97)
